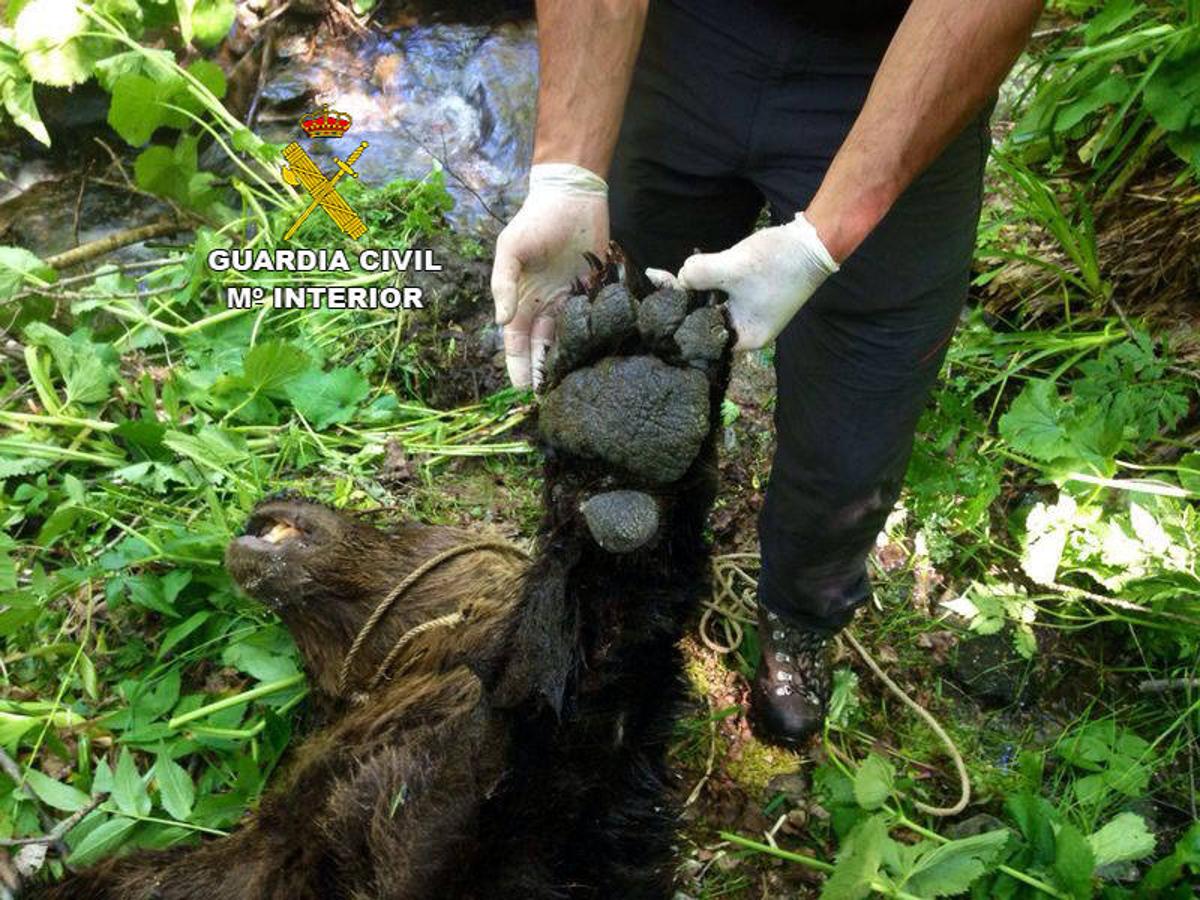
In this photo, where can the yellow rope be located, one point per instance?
(733, 606)
(398, 591)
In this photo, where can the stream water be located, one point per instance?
(457, 95)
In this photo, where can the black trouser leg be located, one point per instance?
(725, 110)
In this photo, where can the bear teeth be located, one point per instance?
(280, 532)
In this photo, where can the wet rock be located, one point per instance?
(792, 785)
(990, 669)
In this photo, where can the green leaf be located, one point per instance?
(1074, 862)
(16, 265)
(873, 782)
(325, 399)
(16, 92)
(858, 861)
(49, 36)
(942, 870)
(205, 21)
(55, 793)
(268, 655)
(1124, 839)
(175, 787)
(129, 791)
(269, 368)
(1189, 472)
(102, 841)
(1031, 424)
(136, 110)
(1046, 530)
(209, 74)
(1114, 14)
(154, 64)
(1172, 95)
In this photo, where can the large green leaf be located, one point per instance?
(18, 264)
(128, 790)
(942, 870)
(49, 36)
(858, 861)
(1074, 862)
(327, 398)
(55, 793)
(873, 782)
(1125, 839)
(175, 787)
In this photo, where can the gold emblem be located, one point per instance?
(301, 170)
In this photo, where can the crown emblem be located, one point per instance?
(326, 123)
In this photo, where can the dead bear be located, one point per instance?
(516, 748)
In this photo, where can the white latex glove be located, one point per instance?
(768, 277)
(538, 255)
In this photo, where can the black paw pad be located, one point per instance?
(637, 413)
(621, 521)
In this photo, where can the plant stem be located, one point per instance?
(263, 690)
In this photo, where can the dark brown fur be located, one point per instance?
(519, 754)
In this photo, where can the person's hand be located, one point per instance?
(538, 255)
(768, 277)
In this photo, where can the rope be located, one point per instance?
(737, 607)
(448, 620)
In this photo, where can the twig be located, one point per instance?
(268, 53)
(1162, 685)
(105, 245)
(56, 833)
(83, 179)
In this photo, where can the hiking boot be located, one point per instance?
(790, 691)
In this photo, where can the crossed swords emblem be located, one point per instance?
(301, 170)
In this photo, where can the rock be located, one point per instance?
(990, 669)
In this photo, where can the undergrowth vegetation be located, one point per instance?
(1051, 501)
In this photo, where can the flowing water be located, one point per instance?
(459, 96)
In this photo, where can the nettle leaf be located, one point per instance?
(858, 861)
(942, 870)
(1125, 839)
(327, 398)
(1074, 862)
(175, 787)
(873, 782)
(55, 793)
(17, 265)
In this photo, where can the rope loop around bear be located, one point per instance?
(448, 620)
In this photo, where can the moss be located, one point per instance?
(754, 764)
